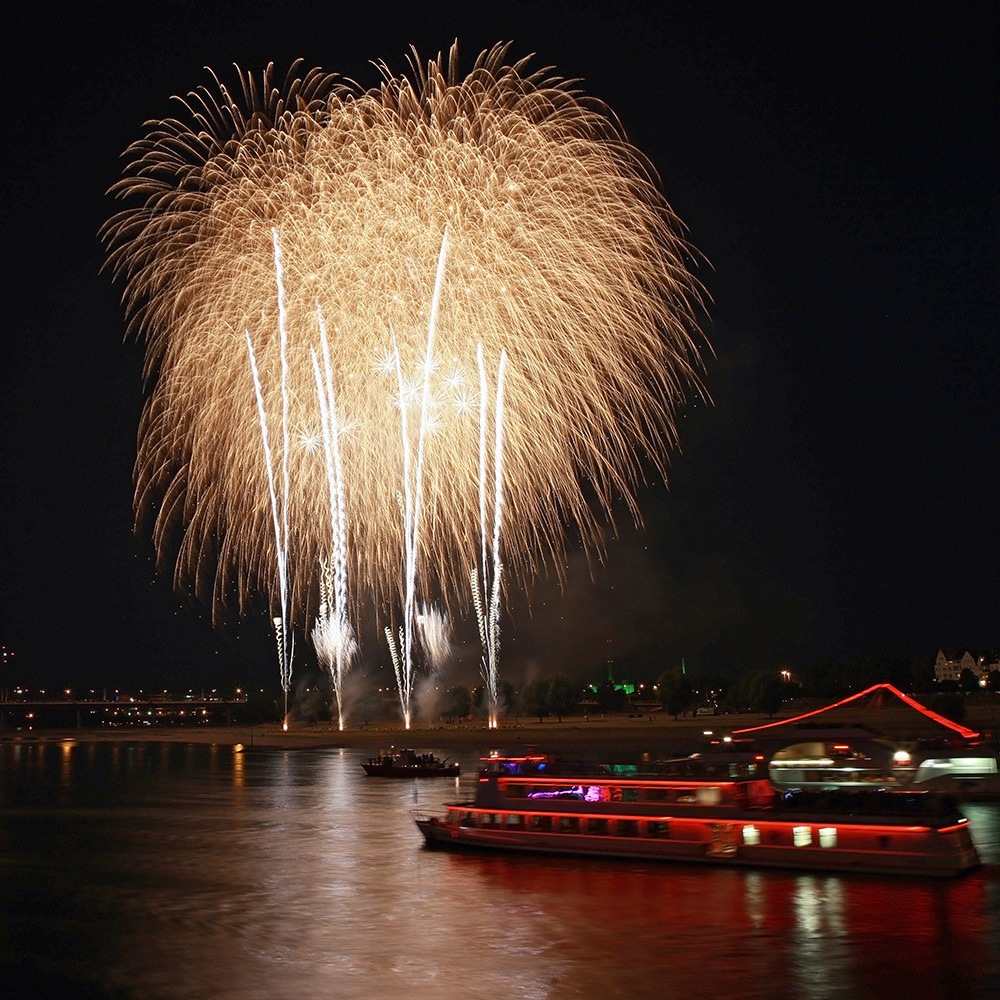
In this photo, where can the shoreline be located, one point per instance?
(573, 737)
(626, 739)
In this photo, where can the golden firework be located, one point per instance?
(561, 251)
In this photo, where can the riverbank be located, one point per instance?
(623, 739)
(610, 737)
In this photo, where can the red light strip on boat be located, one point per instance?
(725, 784)
(961, 825)
(535, 757)
(700, 820)
(961, 730)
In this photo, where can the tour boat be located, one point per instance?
(730, 814)
(410, 764)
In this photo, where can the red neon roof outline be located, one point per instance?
(961, 730)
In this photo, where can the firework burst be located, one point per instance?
(563, 256)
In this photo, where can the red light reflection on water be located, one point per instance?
(755, 933)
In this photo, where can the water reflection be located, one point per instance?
(169, 871)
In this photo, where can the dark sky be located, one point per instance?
(836, 165)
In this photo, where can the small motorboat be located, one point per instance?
(410, 764)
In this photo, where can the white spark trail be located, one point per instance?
(281, 629)
(334, 636)
(413, 491)
(486, 597)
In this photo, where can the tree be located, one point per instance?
(563, 696)
(506, 697)
(765, 691)
(968, 681)
(922, 673)
(536, 698)
(455, 703)
(675, 692)
(609, 699)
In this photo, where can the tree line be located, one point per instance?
(679, 692)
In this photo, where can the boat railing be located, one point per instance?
(611, 793)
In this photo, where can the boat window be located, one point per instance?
(565, 792)
(514, 821)
(628, 828)
(970, 767)
(827, 836)
(655, 794)
(751, 835)
(802, 836)
(569, 824)
(540, 823)
(658, 828)
(597, 825)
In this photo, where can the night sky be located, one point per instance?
(835, 164)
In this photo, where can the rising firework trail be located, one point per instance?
(282, 633)
(486, 589)
(561, 251)
(334, 640)
(333, 635)
(413, 493)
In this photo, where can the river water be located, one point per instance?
(161, 871)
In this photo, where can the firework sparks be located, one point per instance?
(561, 253)
(435, 637)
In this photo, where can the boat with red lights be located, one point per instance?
(410, 764)
(721, 810)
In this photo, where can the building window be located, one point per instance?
(827, 836)
(751, 835)
(802, 836)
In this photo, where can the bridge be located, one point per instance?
(31, 712)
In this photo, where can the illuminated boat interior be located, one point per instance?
(834, 760)
(959, 760)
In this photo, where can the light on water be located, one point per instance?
(172, 871)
